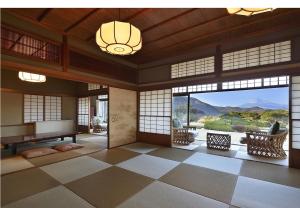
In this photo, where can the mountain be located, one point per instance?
(264, 104)
(199, 108)
(239, 109)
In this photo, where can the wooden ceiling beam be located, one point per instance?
(44, 14)
(222, 31)
(136, 14)
(187, 28)
(167, 20)
(78, 22)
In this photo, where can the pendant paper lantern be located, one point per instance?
(248, 11)
(30, 77)
(119, 38)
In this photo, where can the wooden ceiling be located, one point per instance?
(165, 32)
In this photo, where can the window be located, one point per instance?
(262, 55)
(192, 68)
(195, 88)
(92, 86)
(202, 88)
(295, 112)
(52, 108)
(155, 111)
(102, 97)
(274, 81)
(256, 83)
(33, 108)
(250, 83)
(83, 111)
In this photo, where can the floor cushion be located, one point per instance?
(37, 152)
(67, 147)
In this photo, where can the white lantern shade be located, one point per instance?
(30, 77)
(248, 11)
(119, 38)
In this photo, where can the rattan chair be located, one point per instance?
(182, 136)
(218, 141)
(262, 144)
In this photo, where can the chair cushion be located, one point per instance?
(67, 147)
(274, 128)
(37, 152)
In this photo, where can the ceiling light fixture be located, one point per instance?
(30, 77)
(119, 38)
(248, 11)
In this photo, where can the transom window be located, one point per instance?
(194, 67)
(262, 55)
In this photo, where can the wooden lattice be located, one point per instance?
(262, 144)
(218, 141)
(181, 136)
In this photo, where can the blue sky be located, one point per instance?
(237, 98)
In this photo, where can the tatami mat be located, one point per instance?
(160, 194)
(171, 154)
(272, 173)
(213, 184)
(150, 166)
(25, 183)
(75, 168)
(13, 164)
(109, 187)
(140, 147)
(219, 163)
(114, 156)
(58, 197)
(53, 158)
(253, 193)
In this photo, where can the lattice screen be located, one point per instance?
(21, 43)
(83, 111)
(52, 108)
(192, 68)
(33, 108)
(295, 87)
(155, 111)
(262, 55)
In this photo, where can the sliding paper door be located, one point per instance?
(295, 122)
(122, 116)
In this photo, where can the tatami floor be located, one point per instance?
(142, 175)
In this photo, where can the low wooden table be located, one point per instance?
(16, 140)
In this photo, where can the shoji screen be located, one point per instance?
(83, 111)
(52, 108)
(33, 108)
(295, 88)
(155, 111)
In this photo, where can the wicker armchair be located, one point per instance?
(182, 136)
(262, 144)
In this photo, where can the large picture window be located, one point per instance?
(155, 111)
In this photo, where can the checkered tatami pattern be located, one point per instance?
(142, 175)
